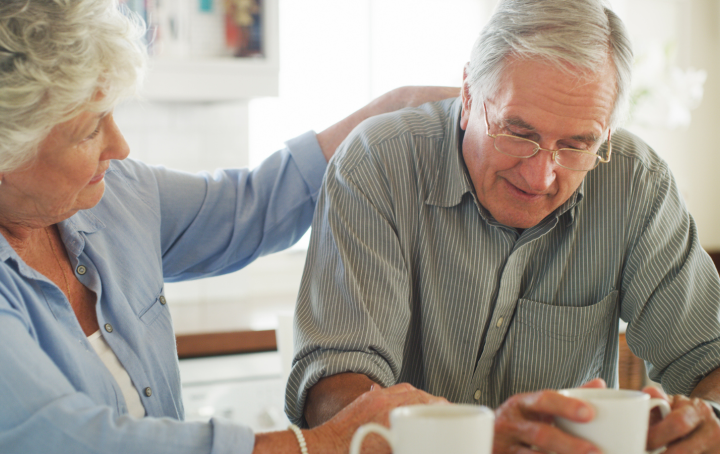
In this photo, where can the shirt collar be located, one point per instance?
(453, 181)
(71, 232)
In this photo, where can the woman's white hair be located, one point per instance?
(571, 34)
(58, 58)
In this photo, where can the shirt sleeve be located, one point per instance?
(353, 307)
(43, 412)
(670, 290)
(216, 224)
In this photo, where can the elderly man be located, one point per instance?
(484, 248)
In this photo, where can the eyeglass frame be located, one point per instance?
(554, 152)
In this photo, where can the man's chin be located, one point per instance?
(518, 220)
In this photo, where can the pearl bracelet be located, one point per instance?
(300, 438)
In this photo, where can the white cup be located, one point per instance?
(434, 429)
(621, 419)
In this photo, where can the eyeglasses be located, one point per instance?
(569, 158)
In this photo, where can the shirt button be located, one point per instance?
(499, 322)
(81, 270)
(477, 395)
(163, 301)
(148, 391)
(108, 327)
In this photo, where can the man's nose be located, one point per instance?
(539, 171)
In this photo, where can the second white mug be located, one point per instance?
(621, 419)
(434, 429)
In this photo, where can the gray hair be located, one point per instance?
(58, 58)
(582, 33)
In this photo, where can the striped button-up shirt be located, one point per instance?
(409, 279)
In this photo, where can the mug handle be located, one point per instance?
(664, 410)
(359, 436)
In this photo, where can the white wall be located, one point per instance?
(693, 153)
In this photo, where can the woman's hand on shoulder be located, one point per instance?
(412, 96)
(399, 98)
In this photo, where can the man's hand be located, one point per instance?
(523, 424)
(691, 427)
(373, 406)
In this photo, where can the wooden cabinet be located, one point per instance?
(631, 369)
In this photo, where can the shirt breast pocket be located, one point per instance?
(155, 309)
(559, 346)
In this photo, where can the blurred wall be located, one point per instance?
(693, 153)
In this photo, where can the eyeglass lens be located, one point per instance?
(523, 148)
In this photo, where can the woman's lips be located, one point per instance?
(96, 179)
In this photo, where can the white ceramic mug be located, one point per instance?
(621, 419)
(434, 429)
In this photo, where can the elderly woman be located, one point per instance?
(87, 352)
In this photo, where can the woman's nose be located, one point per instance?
(115, 146)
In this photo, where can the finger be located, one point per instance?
(400, 388)
(555, 404)
(706, 439)
(418, 397)
(409, 392)
(524, 450)
(655, 393)
(679, 423)
(546, 438)
(375, 444)
(595, 383)
(405, 394)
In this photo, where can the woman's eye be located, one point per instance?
(94, 133)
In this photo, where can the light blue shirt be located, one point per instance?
(152, 225)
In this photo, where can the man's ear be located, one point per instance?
(466, 99)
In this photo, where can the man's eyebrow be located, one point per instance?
(589, 138)
(519, 122)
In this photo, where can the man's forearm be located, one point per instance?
(332, 394)
(709, 387)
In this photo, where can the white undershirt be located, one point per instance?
(132, 398)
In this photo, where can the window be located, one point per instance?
(337, 55)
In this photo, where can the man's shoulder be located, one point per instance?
(628, 146)
(398, 133)
(428, 120)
